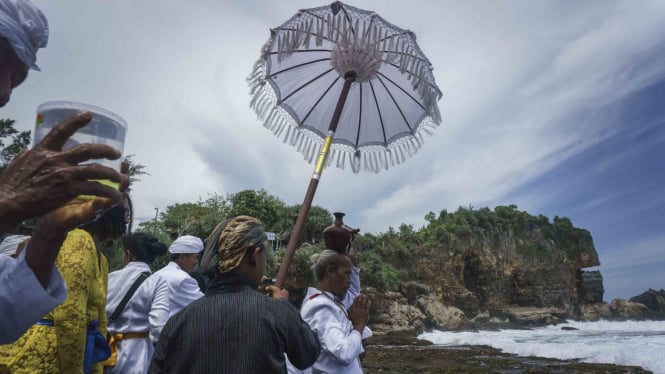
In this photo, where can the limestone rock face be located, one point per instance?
(491, 269)
(591, 287)
(413, 290)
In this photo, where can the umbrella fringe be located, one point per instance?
(319, 31)
(398, 49)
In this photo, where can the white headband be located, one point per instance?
(25, 27)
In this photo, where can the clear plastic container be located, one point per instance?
(105, 127)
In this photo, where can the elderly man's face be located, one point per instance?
(339, 279)
(12, 71)
(188, 261)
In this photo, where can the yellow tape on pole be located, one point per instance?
(323, 155)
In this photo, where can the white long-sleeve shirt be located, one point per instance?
(183, 289)
(146, 311)
(340, 343)
(23, 300)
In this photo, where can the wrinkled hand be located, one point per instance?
(277, 293)
(359, 312)
(74, 213)
(39, 180)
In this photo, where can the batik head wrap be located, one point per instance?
(240, 234)
(25, 28)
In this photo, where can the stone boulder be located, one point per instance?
(521, 317)
(439, 316)
(622, 310)
(391, 313)
(485, 321)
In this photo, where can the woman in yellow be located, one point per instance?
(56, 343)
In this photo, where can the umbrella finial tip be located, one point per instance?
(336, 7)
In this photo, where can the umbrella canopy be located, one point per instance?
(298, 80)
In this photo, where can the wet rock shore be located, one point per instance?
(401, 353)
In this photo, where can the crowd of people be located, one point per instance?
(63, 312)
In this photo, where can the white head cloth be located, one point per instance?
(186, 244)
(25, 27)
(10, 244)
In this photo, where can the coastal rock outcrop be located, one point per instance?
(654, 301)
(621, 309)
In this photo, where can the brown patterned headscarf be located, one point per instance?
(237, 236)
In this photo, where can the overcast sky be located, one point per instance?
(555, 106)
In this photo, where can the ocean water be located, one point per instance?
(624, 343)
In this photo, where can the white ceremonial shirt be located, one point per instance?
(146, 311)
(23, 300)
(340, 343)
(183, 289)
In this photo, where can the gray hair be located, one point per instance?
(321, 261)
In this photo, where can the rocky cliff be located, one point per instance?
(494, 267)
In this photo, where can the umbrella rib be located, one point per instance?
(396, 104)
(297, 66)
(378, 110)
(319, 100)
(360, 115)
(432, 85)
(392, 36)
(403, 90)
(305, 85)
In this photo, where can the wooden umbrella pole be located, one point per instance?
(314, 182)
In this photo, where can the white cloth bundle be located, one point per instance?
(25, 27)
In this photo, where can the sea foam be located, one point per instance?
(638, 343)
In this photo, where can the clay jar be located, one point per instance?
(339, 236)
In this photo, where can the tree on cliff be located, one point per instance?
(12, 142)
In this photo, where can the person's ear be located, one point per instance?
(254, 258)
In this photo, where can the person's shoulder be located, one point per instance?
(156, 278)
(316, 303)
(79, 234)
(117, 273)
(78, 241)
